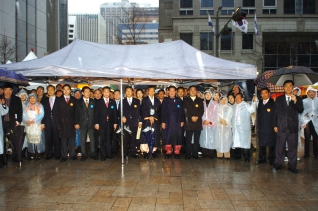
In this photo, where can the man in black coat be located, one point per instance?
(84, 121)
(132, 120)
(150, 115)
(193, 111)
(116, 140)
(11, 119)
(266, 134)
(64, 120)
(286, 125)
(105, 119)
(52, 141)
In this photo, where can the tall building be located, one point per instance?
(288, 30)
(116, 13)
(57, 26)
(23, 22)
(146, 33)
(88, 27)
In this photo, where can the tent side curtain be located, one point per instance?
(170, 60)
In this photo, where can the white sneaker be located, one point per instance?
(286, 159)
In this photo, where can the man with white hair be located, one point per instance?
(309, 120)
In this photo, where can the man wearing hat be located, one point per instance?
(309, 120)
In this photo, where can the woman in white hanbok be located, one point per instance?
(224, 140)
(3, 111)
(209, 133)
(33, 113)
(23, 95)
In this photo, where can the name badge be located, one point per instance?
(152, 111)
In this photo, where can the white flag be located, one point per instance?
(255, 25)
(210, 23)
(241, 25)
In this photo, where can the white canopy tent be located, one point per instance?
(170, 60)
(30, 56)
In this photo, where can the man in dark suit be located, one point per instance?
(150, 115)
(105, 119)
(64, 120)
(193, 109)
(286, 125)
(117, 135)
(131, 120)
(52, 141)
(84, 121)
(11, 119)
(266, 134)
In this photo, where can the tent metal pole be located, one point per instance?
(256, 133)
(121, 122)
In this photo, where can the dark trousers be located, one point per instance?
(83, 135)
(130, 141)
(192, 150)
(271, 153)
(6, 129)
(115, 141)
(310, 131)
(238, 153)
(52, 142)
(106, 141)
(292, 140)
(68, 144)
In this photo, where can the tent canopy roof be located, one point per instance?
(170, 60)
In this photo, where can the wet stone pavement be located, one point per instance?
(158, 184)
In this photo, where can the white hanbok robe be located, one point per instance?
(3, 111)
(224, 141)
(241, 124)
(310, 112)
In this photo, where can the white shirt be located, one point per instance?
(193, 98)
(129, 100)
(86, 100)
(265, 101)
(106, 100)
(67, 97)
(152, 100)
(288, 98)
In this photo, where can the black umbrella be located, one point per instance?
(13, 77)
(16, 137)
(299, 74)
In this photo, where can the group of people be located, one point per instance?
(178, 119)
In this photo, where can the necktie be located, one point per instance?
(86, 103)
(288, 100)
(117, 104)
(129, 102)
(67, 100)
(106, 103)
(264, 102)
(51, 103)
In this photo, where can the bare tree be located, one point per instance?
(133, 24)
(7, 49)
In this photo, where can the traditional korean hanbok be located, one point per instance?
(208, 135)
(241, 124)
(224, 140)
(34, 112)
(23, 92)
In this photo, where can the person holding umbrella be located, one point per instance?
(172, 123)
(309, 120)
(285, 122)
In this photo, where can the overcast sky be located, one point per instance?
(92, 6)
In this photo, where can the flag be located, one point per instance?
(210, 23)
(255, 25)
(241, 25)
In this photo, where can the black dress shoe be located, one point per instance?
(237, 157)
(177, 156)
(247, 160)
(146, 155)
(211, 157)
(57, 158)
(168, 156)
(94, 157)
(316, 157)
(83, 158)
(102, 159)
(5, 163)
(196, 157)
(48, 158)
(261, 161)
(187, 157)
(154, 155)
(74, 158)
(294, 170)
(306, 156)
(63, 160)
(135, 156)
(203, 156)
(110, 157)
(276, 167)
